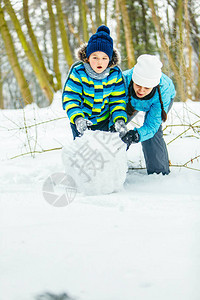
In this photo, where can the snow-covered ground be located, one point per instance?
(141, 243)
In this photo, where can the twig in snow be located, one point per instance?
(37, 151)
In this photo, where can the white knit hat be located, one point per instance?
(147, 71)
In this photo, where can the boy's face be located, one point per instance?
(98, 61)
(141, 91)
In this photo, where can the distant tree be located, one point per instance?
(54, 46)
(83, 15)
(106, 12)
(64, 34)
(44, 35)
(118, 21)
(180, 43)
(1, 81)
(13, 59)
(166, 49)
(98, 13)
(128, 34)
(34, 42)
(41, 76)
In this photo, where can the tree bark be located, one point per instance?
(128, 34)
(34, 41)
(40, 75)
(13, 60)
(98, 12)
(144, 22)
(91, 18)
(64, 37)
(1, 85)
(188, 74)
(72, 30)
(54, 45)
(118, 22)
(106, 10)
(180, 44)
(197, 90)
(167, 51)
(84, 21)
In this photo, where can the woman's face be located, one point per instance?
(141, 91)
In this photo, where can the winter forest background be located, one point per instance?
(38, 39)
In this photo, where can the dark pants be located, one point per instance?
(103, 126)
(155, 152)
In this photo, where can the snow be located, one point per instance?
(141, 242)
(96, 159)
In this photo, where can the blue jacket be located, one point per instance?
(153, 119)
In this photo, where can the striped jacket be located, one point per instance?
(95, 100)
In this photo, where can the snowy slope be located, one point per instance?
(142, 242)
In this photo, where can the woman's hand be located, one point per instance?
(132, 136)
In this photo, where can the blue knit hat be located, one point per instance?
(100, 41)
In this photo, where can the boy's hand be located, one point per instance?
(120, 127)
(81, 125)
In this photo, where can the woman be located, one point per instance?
(151, 91)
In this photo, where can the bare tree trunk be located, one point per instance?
(189, 77)
(179, 16)
(72, 30)
(106, 11)
(170, 35)
(98, 12)
(167, 51)
(64, 37)
(128, 34)
(34, 41)
(84, 21)
(118, 23)
(144, 22)
(195, 40)
(91, 18)
(182, 68)
(40, 75)
(13, 60)
(1, 82)
(197, 90)
(54, 44)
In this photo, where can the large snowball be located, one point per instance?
(97, 162)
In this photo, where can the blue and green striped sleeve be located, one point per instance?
(72, 96)
(117, 101)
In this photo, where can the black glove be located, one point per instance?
(131, 137)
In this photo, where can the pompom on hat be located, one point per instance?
(147, 71)
(100, 41)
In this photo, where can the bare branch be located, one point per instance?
(28, 153)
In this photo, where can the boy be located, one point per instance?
(94, 92)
